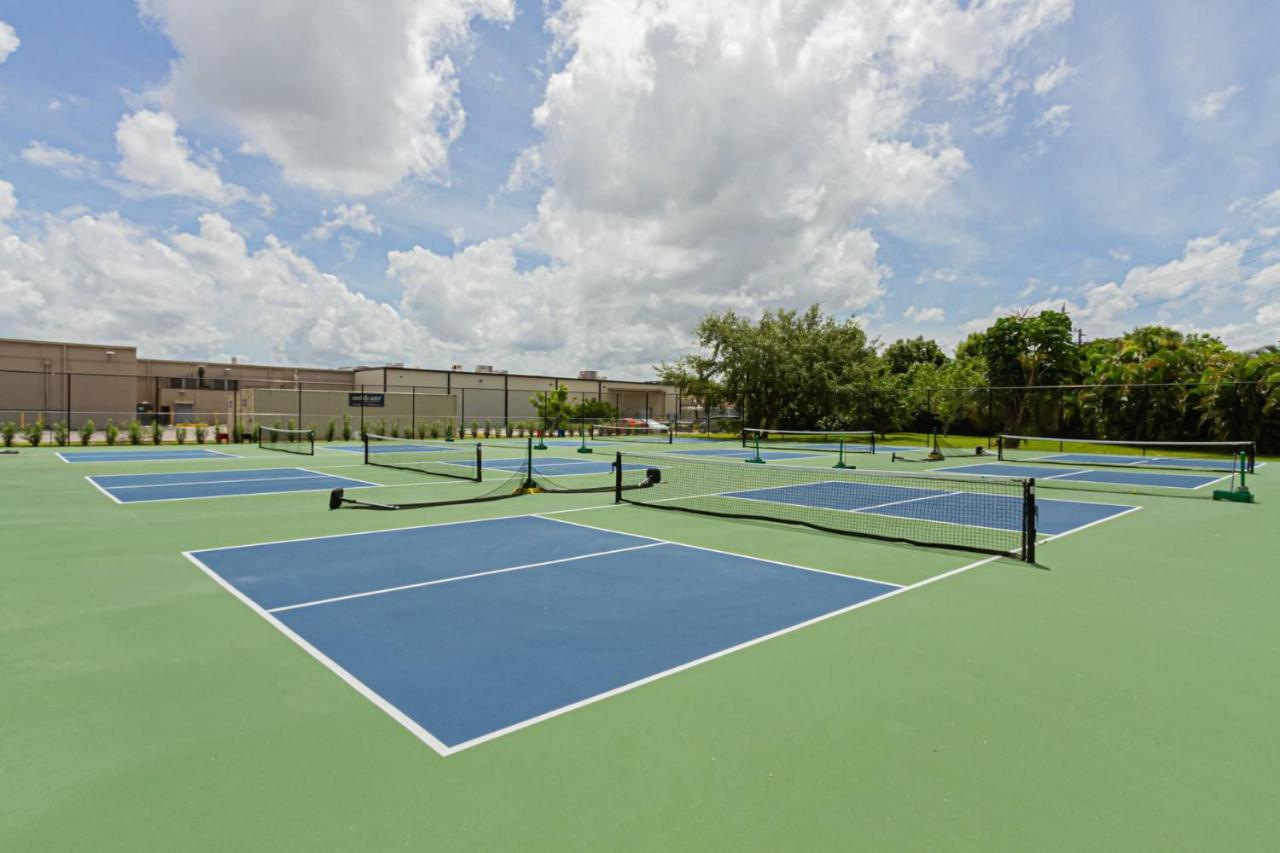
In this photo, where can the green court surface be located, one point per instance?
(1121, 694)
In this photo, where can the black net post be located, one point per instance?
(617, 478)
(1029, 521)
(528, 464)
(479, 464)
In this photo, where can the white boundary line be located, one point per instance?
(360, 687)
(421, 584)
(204, 482)
(217, 455)
(94, 483)
(444, 750)
(1070, 476)
(238, 495)
(1094, 523)
(419, 526)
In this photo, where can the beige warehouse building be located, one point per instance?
(75, 382)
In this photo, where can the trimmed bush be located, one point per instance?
(61, 433)
(8, 431)
(346, 428)
(86, 431)
(157, 432)
(134, 429)
(331, 430)
(180, 434)
(111, 433)
(202, 433)
(34, 432)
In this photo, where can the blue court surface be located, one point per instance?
(940, 505)
(552, 466)
(401, 447)
(1224, 465)
(1113, 476)
(740, 453)
(464, 632)
(144, 488)
(157, 455)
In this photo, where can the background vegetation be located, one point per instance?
(1026, 374)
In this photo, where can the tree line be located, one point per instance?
(1026, 373)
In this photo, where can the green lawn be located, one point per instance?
(1121, 695)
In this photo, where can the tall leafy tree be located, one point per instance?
(1026, 350)
(903, 353)
(790, 369)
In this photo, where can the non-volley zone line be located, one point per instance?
(467, 631)
(923, 504)
(194, 485)
(1111, 476)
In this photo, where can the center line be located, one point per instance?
(421, 584)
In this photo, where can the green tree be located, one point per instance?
(694, 378)
(1024, 350)
(903, 353)
(553, 407)
(787, 370)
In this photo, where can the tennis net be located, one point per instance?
(460, 460)
(511, 470)
(301, 441)
(986, 515)
(825, 441)
(633, 433)
(1208, 456)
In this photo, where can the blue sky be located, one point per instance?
(570, 187)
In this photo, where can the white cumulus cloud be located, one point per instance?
(1209, 106)
(62, 161)
(713, 156)
(199, 294)
(925, 315)
(351, 217)
(1053, 78)
(156, 160)
(346, 97)
(9, 40)
(1055, 120)
(8, 201)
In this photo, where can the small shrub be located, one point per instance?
(201, 433)
(434, 429)
(112, 433)
(8, 430)
(157, 432)
(290, 425)
(475, 429)
(34, 433)
(346, 428)
(61, 433)
(237, 432)
(86, 431)
(135, 432)
(448, 431)
(180, 434)
(331, 431)
(422, 430)
(506, 428)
